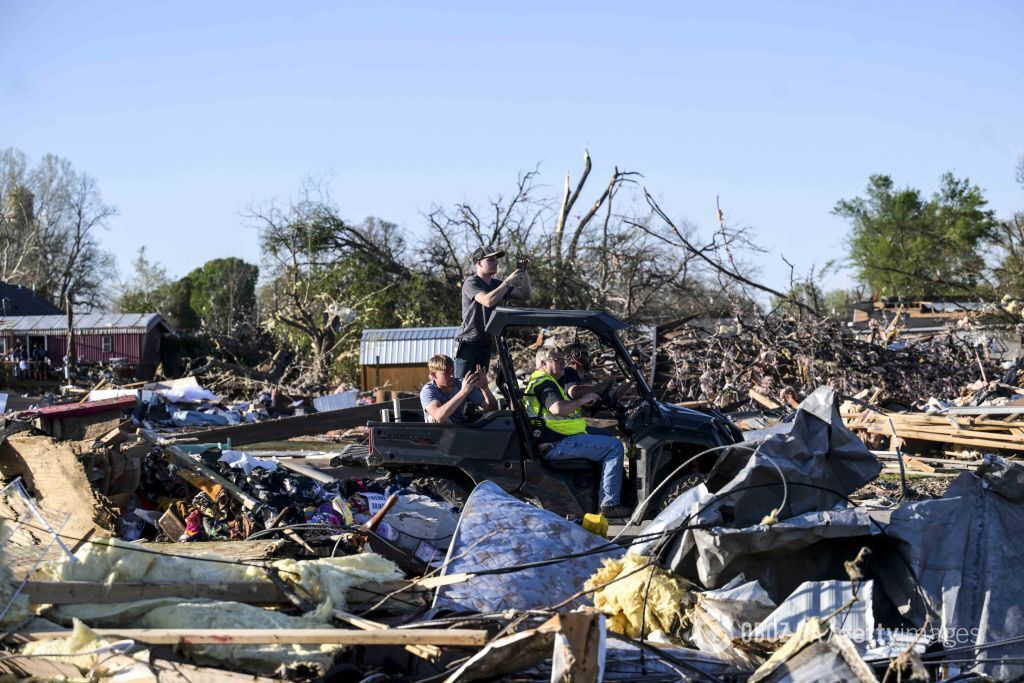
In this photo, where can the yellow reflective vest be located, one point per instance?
(566, 426)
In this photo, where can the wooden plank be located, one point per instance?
(939, 432)
(252, 592)
(941, 438)
(192, 464)
(919, 466)
(291, 636)
(763, 400)
(88, 592)
(302, 425)
(985, 410)
(116, 435)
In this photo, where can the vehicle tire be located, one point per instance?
(673, 491)
(445, 489)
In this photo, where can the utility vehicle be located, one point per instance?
(503, 446)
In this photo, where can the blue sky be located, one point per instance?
(187, 112)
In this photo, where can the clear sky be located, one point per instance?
(187, 112)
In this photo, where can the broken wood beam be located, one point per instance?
(194, 465)
(763, 400)
(301, 425)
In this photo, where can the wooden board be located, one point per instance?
(302, 425)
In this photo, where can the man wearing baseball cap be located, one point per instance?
(481, 292)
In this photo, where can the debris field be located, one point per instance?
(862, 531)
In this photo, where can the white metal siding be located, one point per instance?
(406, 346)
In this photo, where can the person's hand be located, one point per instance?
(469, 382)
(514, 277)
(590, 399)
(482, 378)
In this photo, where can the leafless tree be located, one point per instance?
(49, 230)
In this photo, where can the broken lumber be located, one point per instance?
(755, 395)
(188, 462)
(300, 425)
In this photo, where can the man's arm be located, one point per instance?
(442, 412)
(579, 390)
(551, 398)
(487, 400)
(497, 295)
(523, 290)
(563, 408)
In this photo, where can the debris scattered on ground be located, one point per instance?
(864, 531)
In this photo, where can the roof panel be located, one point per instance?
(405, 345)
(84, 322)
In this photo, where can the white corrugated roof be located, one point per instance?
(86, 322)
(405, 345)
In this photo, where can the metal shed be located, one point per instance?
(99, 337)
(399, 357)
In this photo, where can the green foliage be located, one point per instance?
(903, 244)
(152, 291)
(223, 293)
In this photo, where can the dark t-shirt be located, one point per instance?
(569, 377)
(475, 315)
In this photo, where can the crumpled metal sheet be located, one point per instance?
(778, 555)
(818, 453)
(497, 530)
(963, 551)
(821, 599)
(820, 460)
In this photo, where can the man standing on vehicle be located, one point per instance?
(481, 292)
(566, 429)
(444, 397)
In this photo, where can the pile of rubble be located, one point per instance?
(140, 544)
(785, 358)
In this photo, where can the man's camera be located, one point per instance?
(522, 262)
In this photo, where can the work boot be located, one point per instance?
(615, 511)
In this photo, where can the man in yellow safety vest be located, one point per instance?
(566, 430)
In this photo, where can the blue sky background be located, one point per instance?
(187, 112)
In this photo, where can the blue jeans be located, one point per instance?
(606, 450)
(468, 355)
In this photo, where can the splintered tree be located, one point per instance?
(328, 279)
(49, 225)
(592, 258)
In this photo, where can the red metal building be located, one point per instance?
(133, 339)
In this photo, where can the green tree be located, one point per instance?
(903, 244)
(327, 279)
(151, 291)
(223, 294)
